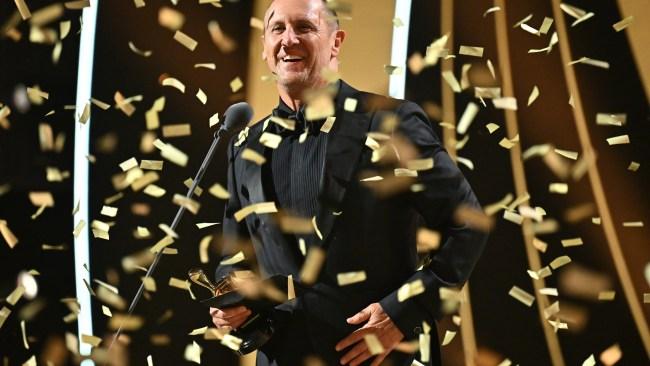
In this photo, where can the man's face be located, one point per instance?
(299, 42)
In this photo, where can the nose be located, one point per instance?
(289, 37)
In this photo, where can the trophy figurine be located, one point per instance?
(243, 288)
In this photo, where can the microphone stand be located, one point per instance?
(177, 219)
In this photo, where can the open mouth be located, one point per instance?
(291, 59)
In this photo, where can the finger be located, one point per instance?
(351, 339)
(232, 316)
(380, 357)
(230, 322)
(359, 317)
(355, 352)
(360, 358)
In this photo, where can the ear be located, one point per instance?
(339, 37)
(263, 47)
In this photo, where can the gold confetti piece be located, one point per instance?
(162, 243)
(285, 123)
(618, 119)
(315, 225)
(619, 140)
(402, 172)
(467, 118)
(571, 242)
(210, 66)
(312, 265)
(646, 300)
(170, 18)
(257, 23)
(77, 5)
(291, 291)
(505, 103)
(560, 188)
(149, 284)
(137, 51)
(37, 93)
(178, 283)
(203, 225)
(622, 24)
(606, 295)
(128, 164)
(546, 25)
(258, 208)
(198, 331)
(4, 314)
(224, 43)
(409, 290)
(185, 40)
(41, 199)
(151, 164)
(560, 261)
(375, 178)
(139, 4)
(424, 343)
(350, 104)
(533, 95)
(175, 83)
(491, 127)
(238, 257)
(253, 156)
(491, 68)
(611, 355)
(91, 340)
(540, 245)
(236, 84)
(171, 153)
(513, 217)
(573, 155)
(218, 191)
(348, 278)
(15, 295)
(466, 162)
(100, 104)
(449, 336)
(8, 236)
(471, 51)
(493, 9)
(591, 61)
(200, 95)
(106, 311)
(78, 228)
(190, 204)
(109, 211)
(397, 22)
(595, 220)
(451, 81)
(549, 291)
(372, 342)
(529, 29)
(23, 9)
(231, 342)
(270, 140)
(551, 310)
(506, 143)
(149, 358)
(393, 70)
(177, 130)
(633, 224)
(522, 296)
(420, 164)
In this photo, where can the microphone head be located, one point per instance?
(237, 116)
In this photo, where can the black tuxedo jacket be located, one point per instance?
(359, 230)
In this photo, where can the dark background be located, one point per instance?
(503, 326)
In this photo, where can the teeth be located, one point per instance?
(291, 58)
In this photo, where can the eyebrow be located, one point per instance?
(269, 20)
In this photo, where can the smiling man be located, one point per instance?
(373, 290)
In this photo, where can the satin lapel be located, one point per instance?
(253, 183)
(344, 146)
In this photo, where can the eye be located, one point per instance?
(277, 28)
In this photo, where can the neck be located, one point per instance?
(293, 100)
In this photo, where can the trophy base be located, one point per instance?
(254, 334)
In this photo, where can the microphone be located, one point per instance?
(235, 117)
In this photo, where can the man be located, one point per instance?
(316, 172)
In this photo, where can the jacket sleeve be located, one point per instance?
(234, 233)
(445, 188)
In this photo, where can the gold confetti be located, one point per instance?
(449, 77)
(270, 140)
(633, 224)
(611, 355)
(522, 296)
(236, 84)
(427, 240)
(348, 278)
(449, 336)
(190, 204)
(350, 104)
(560, 261)
(8, 236)
(467, 118)
(77, 5)
(533, 95)
(109, 211)
(139, 4)
(606, 295)
(210, 66)
(258, 208)
(618, 140)
(4, 314)
(622, 24)
(253, 156)
(138, 51)
(491, 10)
(161, 244)
(91, 340)
(200, 95)
(170, 18)
(256, 23)
(78, 228)
(175, 83)
(505, 103)
(177, 130)
(374, 346)
(573, 155)
(312, 265)
(128, 164)
(100, 104)
(224, 43)
(591, 61)
(151, 164)
(571, 242)
(471, 51)
(171, 153)
(560, 188)
(546, 25)
(608, 119)
(491, 127)
(409, 290)
(238, 257)
(185, 40)
(149, 284)
(218, 191)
